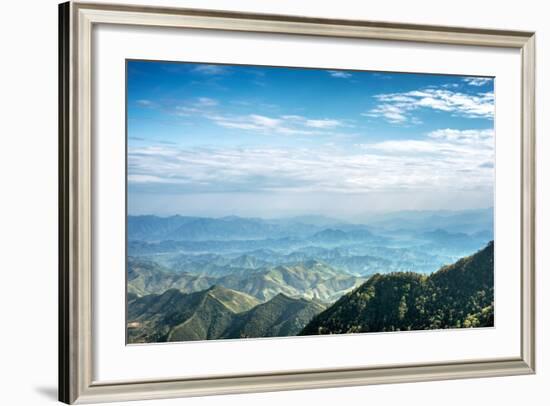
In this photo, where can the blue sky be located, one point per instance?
(219, 140)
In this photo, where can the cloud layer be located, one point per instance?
(447, 158)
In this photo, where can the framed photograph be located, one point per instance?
(263, 202)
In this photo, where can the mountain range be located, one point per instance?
(457, 295)
(398, 242)
(185, 228)
(310, 279)
(315, 228)
(201, 278)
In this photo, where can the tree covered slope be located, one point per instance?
(279, 317)
(458, 295)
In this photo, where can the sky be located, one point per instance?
(219, 140)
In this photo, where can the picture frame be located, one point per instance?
(76, 214)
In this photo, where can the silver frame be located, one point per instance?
(76, 21)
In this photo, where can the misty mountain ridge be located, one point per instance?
(188, 228)
(463, 221)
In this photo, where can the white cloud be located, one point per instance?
(188, 110)
(198, 106)
(408, 147)
(210, 69)
(398, 108)
(339, 74)
(284, 124)
(241, 125)
(145, 103)
(392, 113)
(207, 102)
(148, 179)
(264, 121)
(450, 85)
(443, 142)
(259, 123)
(323, 123)
(156, 151)
(477, 81)
(290, 124)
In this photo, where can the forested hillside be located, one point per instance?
(458, 295)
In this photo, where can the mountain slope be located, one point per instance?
(215, 313)
(150, 318)
(213, 265)
(176, 316)
(281, 316)
(147, 277)
(208, 321)
(237, 302)
(310, 279)
(458, 295)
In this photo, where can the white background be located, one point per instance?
(28, 215)
(115, 361)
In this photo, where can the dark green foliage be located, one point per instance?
(458, 295)
(281, 316)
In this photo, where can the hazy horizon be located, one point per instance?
(220, 140)
(361, 218)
